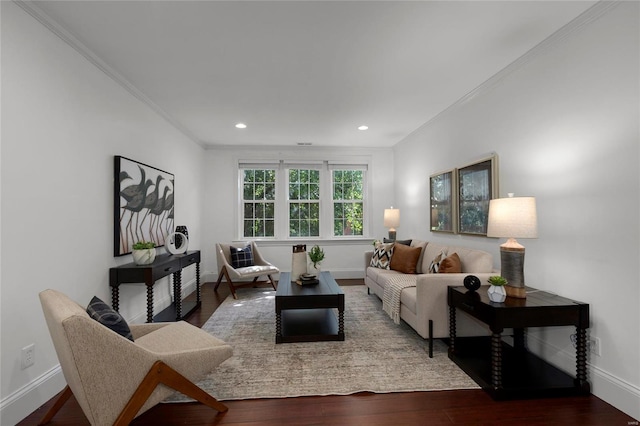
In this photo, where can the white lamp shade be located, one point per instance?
(391, 218)
(513, 217)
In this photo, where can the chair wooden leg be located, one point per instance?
(162, 373)
(62, 399)
(273, 284)
(220, 275)
(225, 274)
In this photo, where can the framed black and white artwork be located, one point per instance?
(143, 204)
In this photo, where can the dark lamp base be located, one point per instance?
(517, 292)
(512, 269)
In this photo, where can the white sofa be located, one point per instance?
(427, 301)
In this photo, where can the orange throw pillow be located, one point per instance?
(405, 258)
(451, 264)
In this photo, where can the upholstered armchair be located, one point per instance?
(244, 269)
(115, 379)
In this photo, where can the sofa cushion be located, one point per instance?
(382, 254)
(434, 266)
(450, 265)
(405, 258)
(423, 246)
(241, 257)
(471, 260)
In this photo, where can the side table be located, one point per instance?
(164, 265)
(511, 372)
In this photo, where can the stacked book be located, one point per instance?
(307, 279)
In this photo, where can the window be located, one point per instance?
(302, 200)
(258, 202)
(304, 203)
(348, 213)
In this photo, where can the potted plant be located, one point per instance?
(144, 252)
(496, 291)
(316, 255)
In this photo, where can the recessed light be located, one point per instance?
(363, 127)
(241, 126)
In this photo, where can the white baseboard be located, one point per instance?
(606, 386)
(19, 404)
(31, 396)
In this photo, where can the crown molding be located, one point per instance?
(587, 17)
(37, 13)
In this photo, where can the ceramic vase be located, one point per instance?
(144, 256)
(497, 293)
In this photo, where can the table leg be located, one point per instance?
(341, 323)
(452, 329)
(198, 283)
(278, 326)
(519, 341)
(581, 360)
(150, 302)
(496, 360)
(115, 297)
(177, 294)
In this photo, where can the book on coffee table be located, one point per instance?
(307, 279)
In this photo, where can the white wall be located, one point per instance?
(565, 124)
(63, 120)
(343, 258)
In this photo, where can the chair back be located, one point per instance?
(57, 309)
(223, 254)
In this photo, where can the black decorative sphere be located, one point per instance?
(471, 282)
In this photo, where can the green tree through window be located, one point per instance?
(304, 203)
(258, 202)
(348, 216)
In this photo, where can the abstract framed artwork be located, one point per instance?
(477, 184)
(442, 201)
(143, 204)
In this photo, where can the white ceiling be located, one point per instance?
(307, 71)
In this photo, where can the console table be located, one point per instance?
(164, 265)
(511, 372)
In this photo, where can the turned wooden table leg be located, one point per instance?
(278, 327)
(150, 302)
(496, 361)
(581, 360)
(452, 329)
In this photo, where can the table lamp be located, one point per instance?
(513, 217)
(391, 221)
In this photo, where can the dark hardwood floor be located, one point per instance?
(463, 407)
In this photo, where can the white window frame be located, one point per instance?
(326, 167)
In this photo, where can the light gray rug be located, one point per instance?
(377, 355)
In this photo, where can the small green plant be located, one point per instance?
(497, 280)
(316, 254)
(142, 245)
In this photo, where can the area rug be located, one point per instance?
(376, 356)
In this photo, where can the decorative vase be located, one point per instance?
(314, 269)
(144, 256)
(183, 230)
(497, 293)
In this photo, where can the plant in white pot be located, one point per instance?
(144, 252)
(497, 292)
(316, 255)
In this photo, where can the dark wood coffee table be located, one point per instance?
(307, 313)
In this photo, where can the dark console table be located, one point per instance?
(511, 372)
(164, 265)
